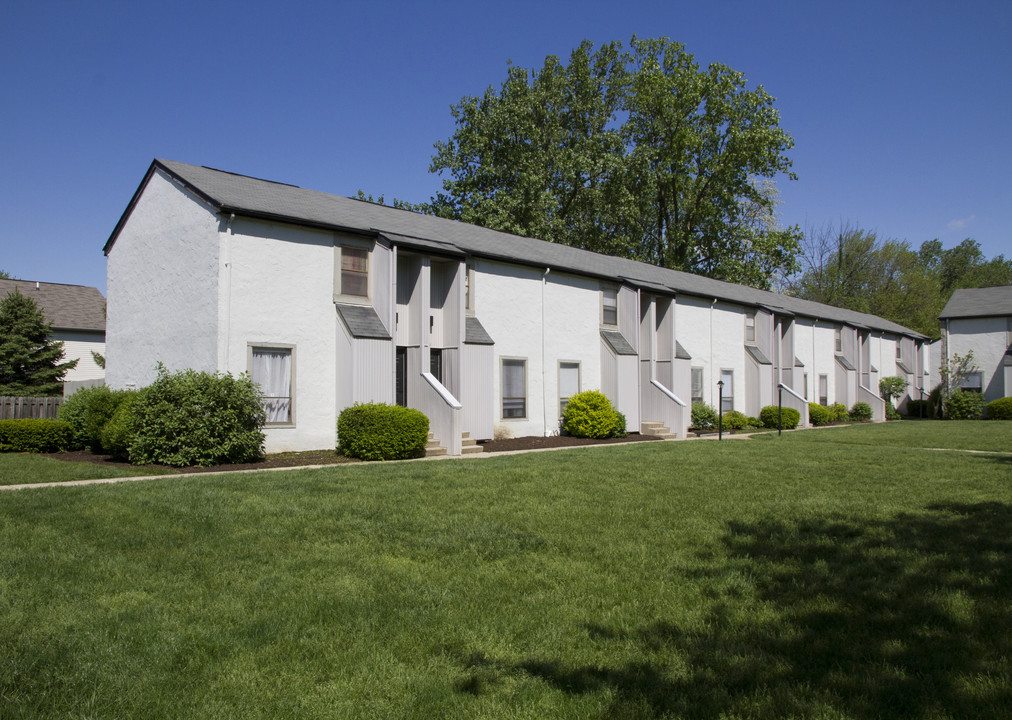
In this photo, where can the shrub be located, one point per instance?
(819, 414)
(964, 405)
(861, 412)
(589, 414)
(838, 413)
(1000, 409)
(704, 417)
(935, 401)
(196, 418)
(914, 408)
(753, 422)
(88, 410)
(118, 433)
(619, 430)
(891, 413)
(771, 415)
(891, 387)
(734, 420)
(35, 436)
(376, 431)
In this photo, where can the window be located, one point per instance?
(750, 326)
(823, 390)
(838, 335)
(514, 388)
(355, 271)
(806, 387)
(697, 384)
(973, 382)
(1008, 331)
(271, 369)
(727, 402)
(609, 306)
(899, 351)
(569, 383)
(469, 289)
(436, 363)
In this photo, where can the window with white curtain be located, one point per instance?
(727, 405)
(271, 369)
(569, 383)
(609, 306)
(697, 384)
(514, 388)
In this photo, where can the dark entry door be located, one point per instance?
(401, 377)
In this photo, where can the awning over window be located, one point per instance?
(362, 321)
(475, 333)
(617, 342)
(758, 355)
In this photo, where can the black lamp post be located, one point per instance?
(720, 410)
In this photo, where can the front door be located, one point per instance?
(401, 377)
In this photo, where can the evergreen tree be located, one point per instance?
(29, 360)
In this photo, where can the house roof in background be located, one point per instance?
(979, 302)
(66, 307)
(252, 197)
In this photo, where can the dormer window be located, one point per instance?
(609, 306)
(750, 326)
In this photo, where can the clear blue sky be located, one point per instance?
(901, 111)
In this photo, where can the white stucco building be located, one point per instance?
(980, 321)
(76, 314)
(328, 301)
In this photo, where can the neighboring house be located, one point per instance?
(76, 314)
(328, 301)
(980, 321)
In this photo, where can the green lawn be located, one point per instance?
(23, 468)
(832, 574)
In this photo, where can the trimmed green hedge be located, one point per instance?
(1000, 409)
(704, 417)
(861, 412)
(376, 431)
(769, 417)
(734, 420)
(819, 414)
(88, 410)
(35, 436)
(196, 418)
(838, 413)
(590, 414)
(964, 406)
(118, 432)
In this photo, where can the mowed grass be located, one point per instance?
(781, 577)
(25, 468)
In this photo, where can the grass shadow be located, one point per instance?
(902, 617)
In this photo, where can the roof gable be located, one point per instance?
(979, 302)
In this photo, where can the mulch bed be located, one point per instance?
(557, 441)
(329, 457)
(278, 460)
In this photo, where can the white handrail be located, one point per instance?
(667, 392)
(443, 392)
(784, 387)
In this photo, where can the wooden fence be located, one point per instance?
(29, 407)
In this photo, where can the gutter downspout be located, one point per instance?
(228, 291)
(712, 303)
(544, 388)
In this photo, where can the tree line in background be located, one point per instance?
(852, 268)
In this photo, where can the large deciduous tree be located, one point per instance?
(638, 153)
(29, 360)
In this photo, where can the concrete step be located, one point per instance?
(656, 429)
(471, 449)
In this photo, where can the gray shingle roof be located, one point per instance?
(475, 333)
(680, 352)
(979, 302)
(67, 307)
(362, 321)
(243, 195)
(617, 342)
(844, 362)
(758, 355)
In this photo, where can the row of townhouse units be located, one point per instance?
(328, 301)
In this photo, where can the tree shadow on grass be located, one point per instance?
(903, 617)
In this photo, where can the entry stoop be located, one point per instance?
(433, 448)
(656, 429)
(469, 445)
